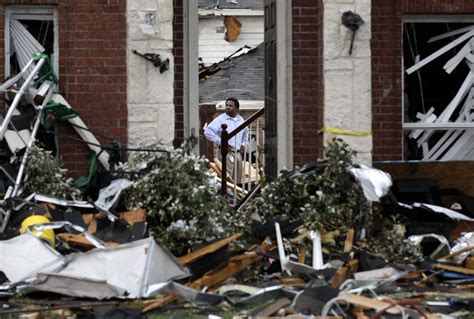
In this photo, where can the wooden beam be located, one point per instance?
(234, 266)
(186, 259)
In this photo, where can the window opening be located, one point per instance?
(438, 89)
(29, 30)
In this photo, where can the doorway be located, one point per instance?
(282, 122)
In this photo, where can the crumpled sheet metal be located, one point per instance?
(418, 239)
(61, 202)
(128, 270)
(68, 203)
(77, 286)
(438, 209)
(56, 225)
(375, 183)
(24, 256)
(466, 240)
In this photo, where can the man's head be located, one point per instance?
(232, 106)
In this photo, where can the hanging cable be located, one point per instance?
(110, 147)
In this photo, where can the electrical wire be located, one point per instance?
(91, 131)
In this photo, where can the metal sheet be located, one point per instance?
(131, 267)
(375, 183)
(22, 257)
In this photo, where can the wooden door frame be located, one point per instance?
(190, 72)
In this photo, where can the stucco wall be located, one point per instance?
(347, 78)
(150, 93)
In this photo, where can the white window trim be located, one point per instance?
(438, 18)
(410, 126)
(46, 13)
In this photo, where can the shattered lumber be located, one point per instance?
(186, 259)
(210, 279)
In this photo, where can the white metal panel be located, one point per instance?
(212, 44)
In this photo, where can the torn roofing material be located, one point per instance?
(241, 77)
(128, 271)
(23, 257)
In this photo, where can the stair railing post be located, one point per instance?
(224, 151)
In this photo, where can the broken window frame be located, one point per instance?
(408, 126)
(37, 13)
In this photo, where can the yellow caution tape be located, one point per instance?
(343, 132)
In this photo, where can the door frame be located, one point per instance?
(190, 72)
(284, 89)
(284, 76)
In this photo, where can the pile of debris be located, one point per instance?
(327, 239)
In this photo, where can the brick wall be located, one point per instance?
(92, 70)
(307, 80)
(386, 66)
(178, 21)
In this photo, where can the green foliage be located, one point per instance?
(44, 175)
(181, 201)
(327, 198)
(391, 244)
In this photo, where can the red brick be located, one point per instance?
(93, 78)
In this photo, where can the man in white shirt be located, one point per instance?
(237, 143)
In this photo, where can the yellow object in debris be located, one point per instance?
(337, 131)
(47, 234)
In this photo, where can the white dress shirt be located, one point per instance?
(214, 129)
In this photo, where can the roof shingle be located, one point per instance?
(241, 77)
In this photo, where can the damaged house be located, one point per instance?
(392, 79)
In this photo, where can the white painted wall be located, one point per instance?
(212, 44)
(347, 78)
(150, 93)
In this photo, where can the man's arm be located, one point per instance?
(212, 132)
